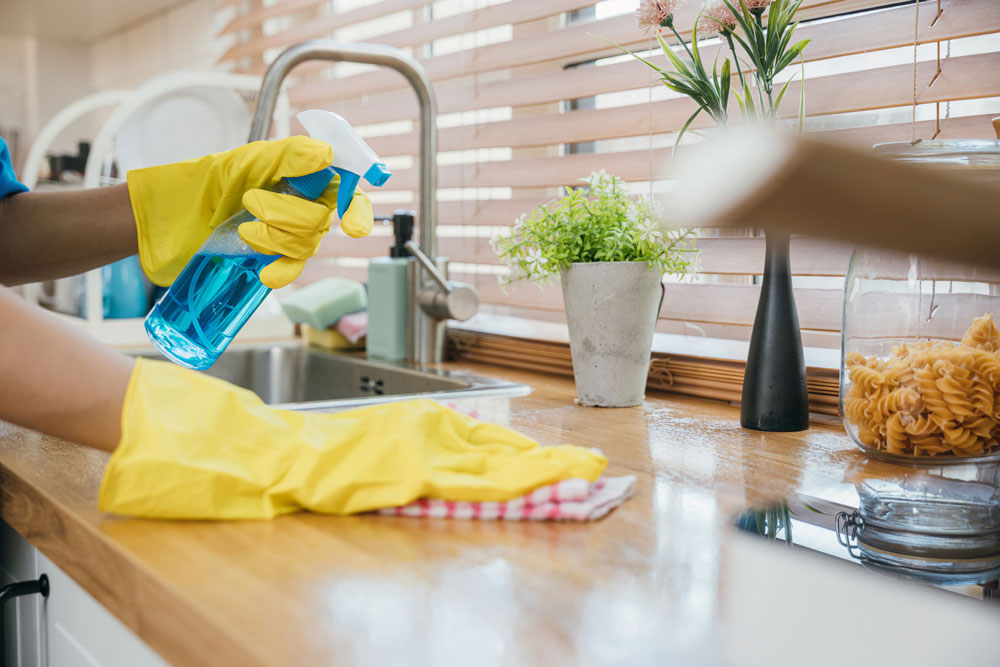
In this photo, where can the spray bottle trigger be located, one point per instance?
(345, 191)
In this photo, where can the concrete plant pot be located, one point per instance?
(611, 310)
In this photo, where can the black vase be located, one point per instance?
(775, 397)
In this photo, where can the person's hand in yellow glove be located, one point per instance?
(194, 447)
(177, 205)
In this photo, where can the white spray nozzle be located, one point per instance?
(352, 157)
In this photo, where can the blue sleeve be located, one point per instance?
(9, 185)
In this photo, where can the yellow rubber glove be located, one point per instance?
(195, 447)
(177, 205)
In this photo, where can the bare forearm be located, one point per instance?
(56, 380)
(47, 235)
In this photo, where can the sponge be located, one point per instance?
(325, 301)
(328, 339)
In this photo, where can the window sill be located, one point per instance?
(690, 365)
(696, 346)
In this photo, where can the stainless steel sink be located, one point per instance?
(299, 378)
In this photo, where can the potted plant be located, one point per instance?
(611, 252)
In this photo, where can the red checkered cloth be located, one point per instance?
(568, 500)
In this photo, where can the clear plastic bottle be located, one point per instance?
(219, 289)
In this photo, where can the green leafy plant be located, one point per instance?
(599, 222)
(765, 50)
(767, 46)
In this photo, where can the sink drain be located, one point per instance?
(370, 386)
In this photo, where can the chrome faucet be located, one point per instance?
(433, 298)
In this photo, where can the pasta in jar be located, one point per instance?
(930, 398)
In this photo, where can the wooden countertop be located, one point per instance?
(646, 583)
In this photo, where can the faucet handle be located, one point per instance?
(428, 265)
(460, 303)
(456, 301)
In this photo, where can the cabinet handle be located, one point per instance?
(11, 591)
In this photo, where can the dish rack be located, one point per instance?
(268, 322)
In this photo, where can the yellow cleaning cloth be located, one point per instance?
(194, 447)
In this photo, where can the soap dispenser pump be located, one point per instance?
(402, 231)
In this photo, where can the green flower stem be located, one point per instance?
(761, 89)
(670, 24)
(736, 59)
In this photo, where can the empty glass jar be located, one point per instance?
(938, 524)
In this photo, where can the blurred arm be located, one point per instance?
(46, 235)
(807, 186)
(56, 380)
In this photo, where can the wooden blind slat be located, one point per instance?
(868, 32)
(722, 256)
(542, 172)
(479, 19)
(819, 309)
(716, 256)
(503, 211)
(962, 127)
(962, 77)
(319, 27)
(256, 17)
(483, 211)
(566, 46)
(854, 34)
(631, 120)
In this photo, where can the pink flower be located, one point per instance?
(651, 14)
(756, 4)
(715, 14)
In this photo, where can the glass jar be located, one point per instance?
(936, 524)
(920, 356)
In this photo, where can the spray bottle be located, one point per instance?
(220, 288)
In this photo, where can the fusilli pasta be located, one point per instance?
(929, 398)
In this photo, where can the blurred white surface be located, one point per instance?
(784, 607)
(180, 125)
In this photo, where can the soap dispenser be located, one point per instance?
(387, 294)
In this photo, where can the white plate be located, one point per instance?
(181, 125)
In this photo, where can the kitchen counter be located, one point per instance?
(663, 577)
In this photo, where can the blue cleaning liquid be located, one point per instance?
(211, 300)
(219, 289)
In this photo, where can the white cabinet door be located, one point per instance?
(67, 629)
(82, 633)
(19, 562)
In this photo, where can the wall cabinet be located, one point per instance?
(67, 629)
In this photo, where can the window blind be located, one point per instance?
(531, 99)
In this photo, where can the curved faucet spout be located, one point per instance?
(426, 319)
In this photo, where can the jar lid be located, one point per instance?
(982, 153)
